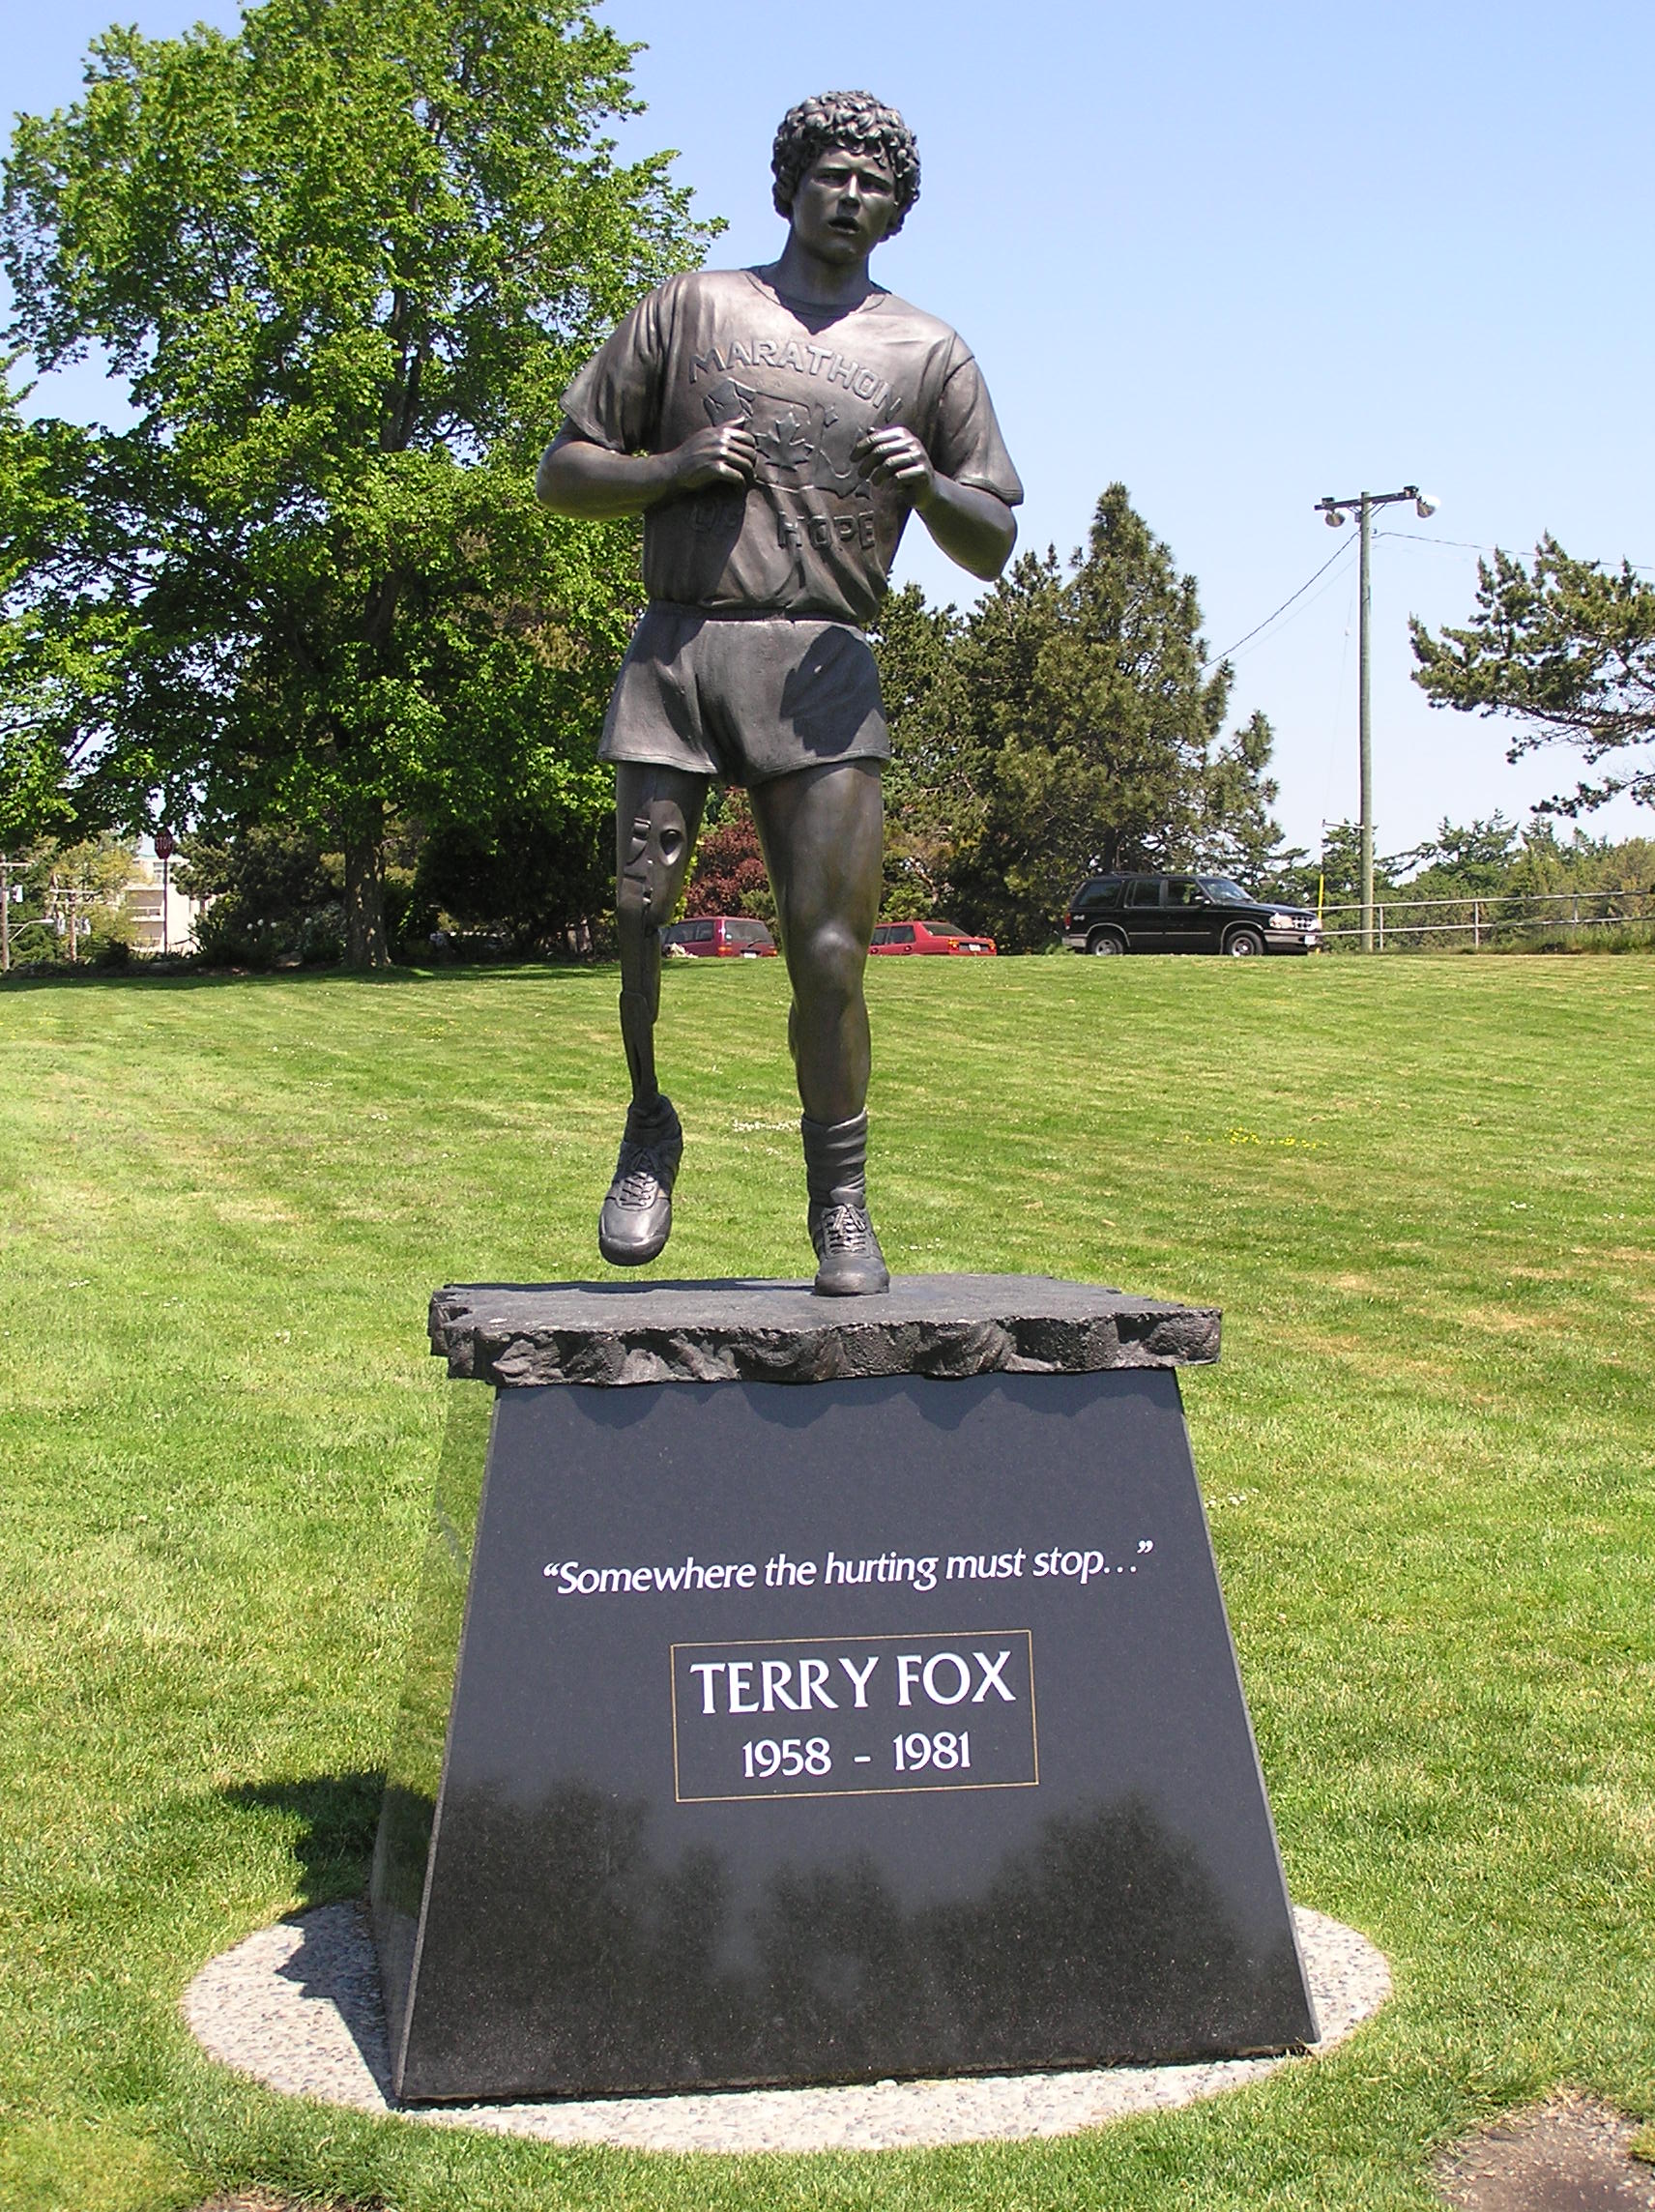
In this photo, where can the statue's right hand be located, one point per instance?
(725, 455)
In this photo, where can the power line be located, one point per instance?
(1466, 545)
(1415, 536)
(1430, 538)
(1280, 610)
(1308, 600)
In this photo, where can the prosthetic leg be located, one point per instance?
(850, 1262)
(655, 826)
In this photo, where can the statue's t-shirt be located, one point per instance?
(809, 536)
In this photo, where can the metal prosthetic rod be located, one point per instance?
(636, 1216)
(654, 853)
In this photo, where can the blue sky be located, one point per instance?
(1236, 258)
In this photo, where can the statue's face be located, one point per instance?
(844, 204)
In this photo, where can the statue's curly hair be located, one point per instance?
(855, 120)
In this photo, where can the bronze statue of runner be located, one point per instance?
(775, 426)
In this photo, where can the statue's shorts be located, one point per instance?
(744, 697)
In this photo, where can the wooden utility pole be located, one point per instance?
(1335, 510)
(1365, 722)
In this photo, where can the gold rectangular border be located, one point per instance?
(905, 1790)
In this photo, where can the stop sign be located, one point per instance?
(164, 847)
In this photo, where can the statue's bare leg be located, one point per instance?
(821, 830)
(657, 812)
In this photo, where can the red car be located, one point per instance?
(926, 936)
(719, 937)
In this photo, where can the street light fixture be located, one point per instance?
(1333, 513)
(165, 848)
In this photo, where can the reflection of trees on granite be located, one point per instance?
(560, 1955)
(401, 1851)
(840, 1982)
(631, 1946)
(1105, 1937)
(415, 1763)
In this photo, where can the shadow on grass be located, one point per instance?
(337, 1816)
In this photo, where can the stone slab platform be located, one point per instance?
(948, 1326)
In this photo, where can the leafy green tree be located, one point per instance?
(934, 786)
(729, 875)
(1567, 649)
(30, 934)
(273, 897)
(1545, 864)
(73, 905)
(346, 256)
(530, 876)
(57, 642)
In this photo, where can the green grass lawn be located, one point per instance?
(1423, 1191)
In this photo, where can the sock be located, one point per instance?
(835, 1161)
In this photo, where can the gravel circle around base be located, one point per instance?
(297, 2006)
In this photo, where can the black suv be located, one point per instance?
(1182, 913)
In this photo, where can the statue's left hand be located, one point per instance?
(894, 457)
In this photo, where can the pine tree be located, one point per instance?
(1566, 649)
(1099, 720)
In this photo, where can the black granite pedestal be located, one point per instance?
(762, 1734)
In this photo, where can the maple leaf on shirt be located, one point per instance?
(782, 444)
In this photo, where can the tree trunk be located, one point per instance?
(365, 942)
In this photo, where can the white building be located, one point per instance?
(163, 917)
